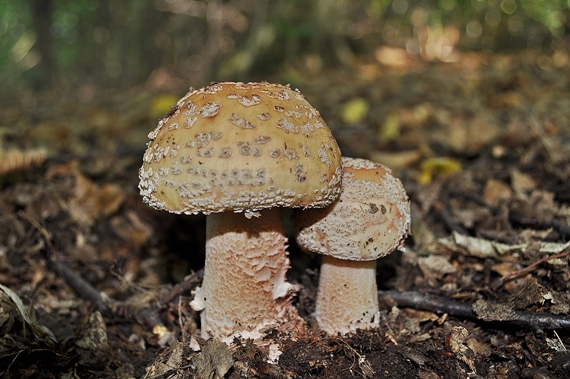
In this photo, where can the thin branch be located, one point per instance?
(178, 289)
(525, 319)
(73, 279)
(526, 270)
(79, 285)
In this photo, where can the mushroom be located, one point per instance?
(235, 152)
(369, 220)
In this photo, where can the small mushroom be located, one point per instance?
(247, 148)
(369, 220)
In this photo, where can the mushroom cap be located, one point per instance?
(369, 220)
(241, 147)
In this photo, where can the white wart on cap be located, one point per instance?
(240, 147)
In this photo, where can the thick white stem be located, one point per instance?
(347, 298)
(244, 288)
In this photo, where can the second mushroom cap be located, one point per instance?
(369, 220)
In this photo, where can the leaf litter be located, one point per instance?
(96, 285)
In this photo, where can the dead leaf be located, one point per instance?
(540, 206)
(483, 248)
(434, 267)
(556, 344)
(550, 143)
(531, 292)
(172, 362)
(479, 347)
(94, 337)
(522, 183)
(469, 216)
(490, 311)
(456, 340)
(517, 134)
(505, 268)
(214, 361)
(92, 201)
(424, 239)
(131, 229)
(14, 160)
(164, 336)
(396, 160)
(496, 192)
(41, 332)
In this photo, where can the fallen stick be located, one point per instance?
(529, 320)
(83, 288)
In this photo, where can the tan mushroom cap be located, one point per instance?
(241, 147)
(370, 219)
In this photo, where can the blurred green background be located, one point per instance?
(173, 44)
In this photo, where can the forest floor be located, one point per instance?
(96, 285)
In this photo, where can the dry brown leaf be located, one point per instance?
(15, 160)
(478, 347)
(396, 160)
(92, 201)
(542, 205)
(522, 183)
(420, 316)
(491, 311)
(482, 248)
(132, 229)
(496, 191)
(456, 340)
(434, 267)
(505, 268)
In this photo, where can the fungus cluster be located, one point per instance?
(237, 152)
(245, 148)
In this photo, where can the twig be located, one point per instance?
(79, 285)
(531, 267)
(363, 364)
(74, 280)
(560, 341)
(525, 319)
(182, 287)
(180, 323)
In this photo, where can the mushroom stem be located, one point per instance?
(347, 299)
(244, 288)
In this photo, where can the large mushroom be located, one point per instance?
(369, 220)
(245, 148)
